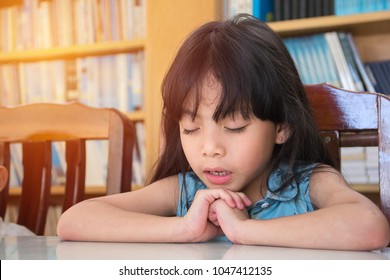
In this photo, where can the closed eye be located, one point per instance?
(236, 130)
(189, 131)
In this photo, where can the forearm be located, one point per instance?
(341, 227)
(97, 221)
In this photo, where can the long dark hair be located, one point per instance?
(257, 75)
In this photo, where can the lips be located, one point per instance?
(218, 176)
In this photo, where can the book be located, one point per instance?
(286, 9)
(122, 83)
(340, 61)
(137, 81)
(380, 71)
(278, 12)
(295, 49)
(359, 64)
(302, 9)
(350, 59)
(330, 67)
(233, 7)
(263, 9)
(311, 8)
(306, 47)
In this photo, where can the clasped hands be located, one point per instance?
(216, 212)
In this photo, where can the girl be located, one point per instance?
(243, 158)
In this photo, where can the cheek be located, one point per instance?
(255, 151)
(189, 148)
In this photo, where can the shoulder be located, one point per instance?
(328, 187)
(288, 184)
(284, 176)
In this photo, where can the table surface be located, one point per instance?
(42, 248)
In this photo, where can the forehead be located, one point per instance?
(208, 93)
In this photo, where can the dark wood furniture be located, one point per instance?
(348, 119)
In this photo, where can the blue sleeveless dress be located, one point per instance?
(292, 200)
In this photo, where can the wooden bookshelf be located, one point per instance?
(97, 49)
(357, 22)
(167, 23)
(371, 31)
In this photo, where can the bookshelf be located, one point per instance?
(97, 49)
(167, 23)
(371, 32)
(171, 19)
(174, 19)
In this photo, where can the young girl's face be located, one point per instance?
(231, 153)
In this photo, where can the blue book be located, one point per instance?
(263, 9)
(379, 71)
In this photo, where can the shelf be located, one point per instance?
(326, 23)
(366, 188)
(73, 51)
(137, 116)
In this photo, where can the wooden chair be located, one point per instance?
(349, 119)
(36, 126)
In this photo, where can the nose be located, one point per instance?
(213, 145)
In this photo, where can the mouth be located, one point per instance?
(218, 176)
(218, 173)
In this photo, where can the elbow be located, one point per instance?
(382, 237)
(62, 230)
(378, 240)
(376, 234)
(66, 228)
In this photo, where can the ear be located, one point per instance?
(282, 133)
(3, 177)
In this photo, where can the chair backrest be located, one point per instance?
(353, 119)
(36, 127)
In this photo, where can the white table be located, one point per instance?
(42, 248)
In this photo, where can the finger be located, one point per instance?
(240, 199)
(232, 199)
(247, 202)
(215, 194)
(214, 220)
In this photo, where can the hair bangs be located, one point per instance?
(228, 55)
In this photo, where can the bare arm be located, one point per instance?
(146, 215)
(124, 217)
(345, 220)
